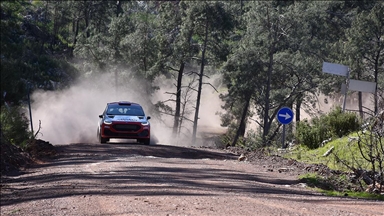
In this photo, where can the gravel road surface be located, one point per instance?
(133, 179)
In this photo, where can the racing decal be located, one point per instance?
(128, 118)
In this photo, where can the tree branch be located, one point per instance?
(257, 122)
(193, 72)
(211, 86)
(38, 131)
(171, 93)
(169, 100)
(171, 68)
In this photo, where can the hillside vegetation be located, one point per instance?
(359, 154)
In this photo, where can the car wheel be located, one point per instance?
(101, 139)
(146, 141)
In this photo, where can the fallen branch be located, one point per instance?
(328, 152)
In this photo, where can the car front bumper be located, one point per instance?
(125, 130)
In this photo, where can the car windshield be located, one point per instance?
(125, 110)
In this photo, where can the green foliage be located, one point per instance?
(312, 134)
(358, 152)
(14, 126)
(327, 186)
(364, 48)
(345, 157)
(273, 50)
(314, 180)
(252, 141)
(31, 54)
(225, 140)
(341, 123)
(346, 151)
(335, 124)
(364, 195)
(274, 62)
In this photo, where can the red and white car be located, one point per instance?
(124, 120)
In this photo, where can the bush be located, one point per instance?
(342, 123)
(312, 135)
(335, 123)
(252, 141)
(14, 126)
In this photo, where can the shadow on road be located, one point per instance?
(163, 151)
(170, 170)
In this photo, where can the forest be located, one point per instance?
(267, 55)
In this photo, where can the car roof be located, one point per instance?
(128, 103)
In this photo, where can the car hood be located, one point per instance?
(127, 118)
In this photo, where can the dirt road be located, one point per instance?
(132, 179)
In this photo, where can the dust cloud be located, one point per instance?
(71, 115)
(326, 103)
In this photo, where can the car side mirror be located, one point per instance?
(100, 116)
(148, 117)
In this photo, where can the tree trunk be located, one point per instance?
(267, 123)
(241, 129)
(176, 120)
(119, 9)
(182, 114)
(360, 95)
(86, 15)
(376, 79)
(201, 75)
(76, 31)
(289, 127)
(360, 98)
(243, 126)
(55, 27)
(299, 101)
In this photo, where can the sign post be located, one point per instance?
(350, 84)
(346, 90)
(284, 116)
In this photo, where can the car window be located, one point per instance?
(125, 110)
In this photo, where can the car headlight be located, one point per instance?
(145, 123)
(107, 121)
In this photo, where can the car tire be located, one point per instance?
(144, 141)
(103, 140)
(147, 141)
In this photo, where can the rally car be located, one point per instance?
(124, 120)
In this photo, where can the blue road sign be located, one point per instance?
(285, 115)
